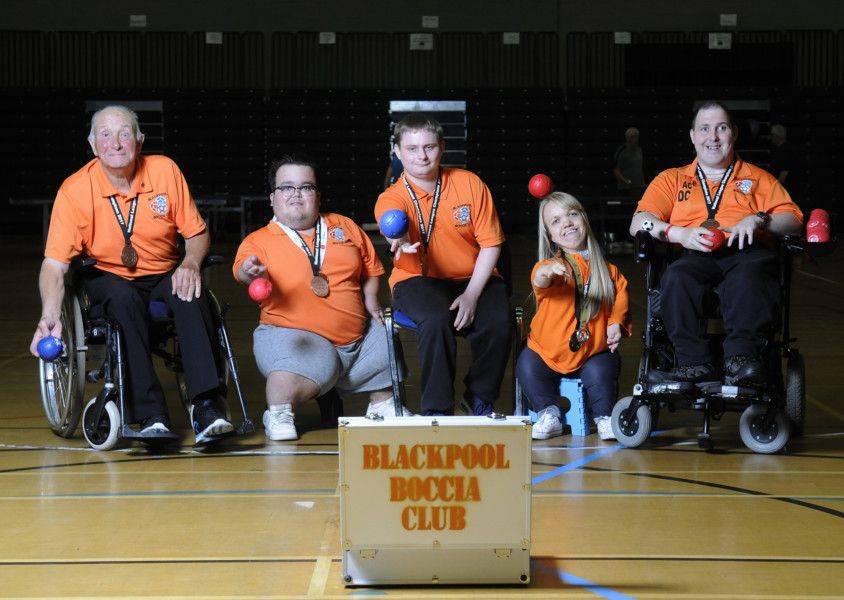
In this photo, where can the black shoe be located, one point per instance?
(155, 424)
(742, 369)
(685, 373)
(209, 422)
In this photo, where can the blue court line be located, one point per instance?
(598, 590)
(575, 464)
(591, 586)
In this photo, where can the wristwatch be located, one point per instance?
(766, 219)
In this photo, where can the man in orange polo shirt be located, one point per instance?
(444, 276)
(322, 326)
(718, 190)
(125, 211)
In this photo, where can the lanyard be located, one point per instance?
(126, 229)
(580, 291)
(317, 257)
(426, 233)
(712, 205)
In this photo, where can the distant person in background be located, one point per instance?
(627, 165)
(782, 160)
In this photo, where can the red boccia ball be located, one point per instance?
(540, 185)
(717, 237)
(260, 289)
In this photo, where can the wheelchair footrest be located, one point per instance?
(149, 436)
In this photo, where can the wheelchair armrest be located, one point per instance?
(643, 246)
(795, 244)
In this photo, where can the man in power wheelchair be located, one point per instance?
(683, 365)
(125, 212)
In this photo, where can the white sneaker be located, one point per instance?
(278, 423)
(604, 425)
(549, 425)
(387, 408)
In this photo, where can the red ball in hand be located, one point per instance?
(540, 185)
(717, 237)
(260, 289)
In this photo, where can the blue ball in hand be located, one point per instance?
(50, 347)
(393, 223)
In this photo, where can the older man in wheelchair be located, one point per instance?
(693, 208)
(125, 213)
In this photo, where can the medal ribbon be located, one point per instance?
(712, 205)
(580, 291)
(317, 257)
(126, 229)
(426, 233)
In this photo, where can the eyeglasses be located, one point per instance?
(288, 190)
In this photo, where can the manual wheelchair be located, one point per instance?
(93, 351)
(770, 414)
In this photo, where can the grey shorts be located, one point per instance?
(362, 366)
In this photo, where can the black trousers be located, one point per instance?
(427, 300)
(747, 284)
(127, 301)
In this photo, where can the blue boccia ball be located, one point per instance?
(393, 223)
(50, 347)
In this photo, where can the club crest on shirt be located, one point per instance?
(744, 186)
(461, 215)
(158, 204)
(337, 234)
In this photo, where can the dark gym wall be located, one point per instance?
(561, 16)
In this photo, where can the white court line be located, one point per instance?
(812, 275)
(15, 358)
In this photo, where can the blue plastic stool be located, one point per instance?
(577, 416)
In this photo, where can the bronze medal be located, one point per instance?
(319, 285)
(579, 337)
(711, 223)
(128, 256)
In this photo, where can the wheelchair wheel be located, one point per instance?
(795, 393)
(762, 441)
(631, 432)
(102, 435)
(63, 380)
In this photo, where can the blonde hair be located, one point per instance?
(601, 287)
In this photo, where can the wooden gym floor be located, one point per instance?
(258, 519)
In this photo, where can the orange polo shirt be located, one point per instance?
(349, 259)
(555, 320)
(675, 196)
(466, 222)
(83, 218)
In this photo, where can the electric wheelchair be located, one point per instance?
(770, 414)
(93, 352)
